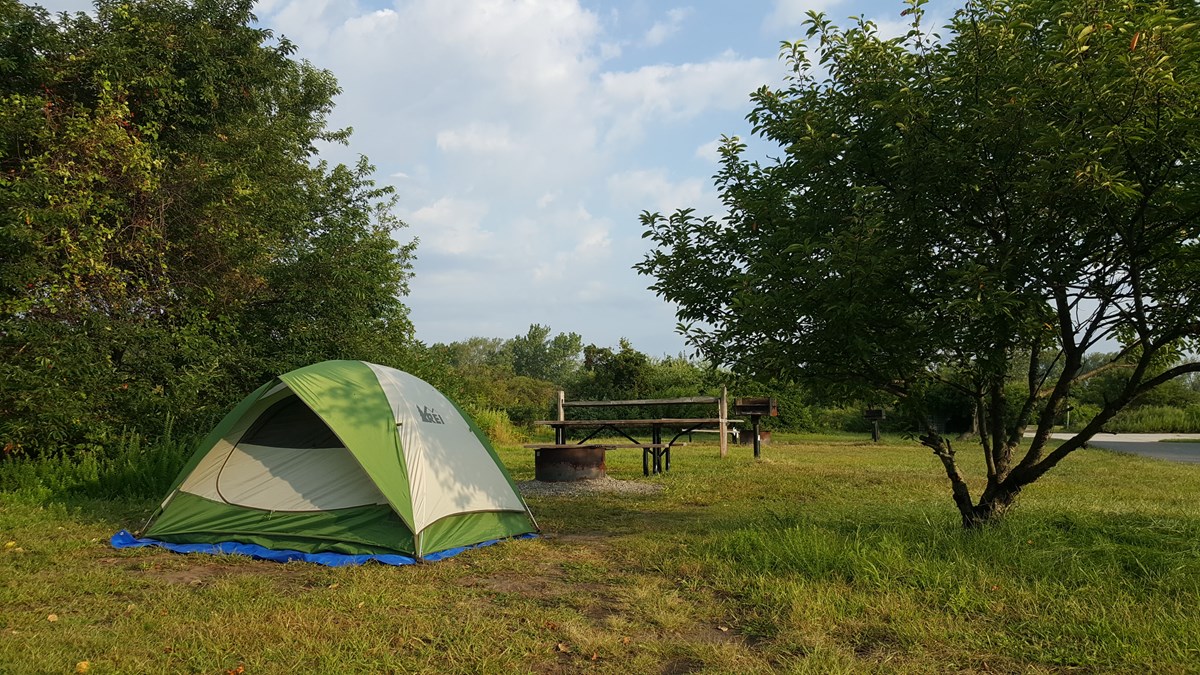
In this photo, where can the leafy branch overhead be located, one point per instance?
(966, 209)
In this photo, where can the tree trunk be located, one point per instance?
(994, 502)
(991, 508)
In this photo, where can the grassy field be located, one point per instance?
(828, 555)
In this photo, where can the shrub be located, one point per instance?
(130, 468)
(498, 427)
(1156, 419)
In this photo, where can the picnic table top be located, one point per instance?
(607, 446)
(664, 421)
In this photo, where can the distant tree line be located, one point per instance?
(519, 378)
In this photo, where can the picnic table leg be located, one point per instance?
(645, 461)
(656, 436)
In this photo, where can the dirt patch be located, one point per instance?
(606, 485)
(519, 584)
(172, 568)
(682, 665)
(604, 608)
(715, 635)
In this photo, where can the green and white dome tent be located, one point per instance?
(345, 458)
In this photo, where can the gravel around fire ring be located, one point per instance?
(608, 484)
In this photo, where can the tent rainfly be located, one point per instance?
(338, 463)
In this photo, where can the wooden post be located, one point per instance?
(561, 397)
(723, 410)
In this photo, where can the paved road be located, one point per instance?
(1149, 445)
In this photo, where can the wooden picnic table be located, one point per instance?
(656, 455)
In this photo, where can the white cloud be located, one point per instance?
(590, 245)
(661, 30)
(610, 50)
(680, 92)
(476, 137)
(651, 190)
(710, 151)
(514, 131)
(792, 13)
(451, 226)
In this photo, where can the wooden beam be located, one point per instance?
(723, 413)
(648, 401)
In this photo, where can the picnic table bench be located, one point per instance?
(585, 458)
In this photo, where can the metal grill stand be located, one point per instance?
(756, 407)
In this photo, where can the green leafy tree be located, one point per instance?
(959, 210)
(608, 374)
(168, 238)
(541, 357)
(475, 352)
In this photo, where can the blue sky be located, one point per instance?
(524, 137)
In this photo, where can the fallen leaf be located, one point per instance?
(9, 544)
(562, 647)
(81, 667)
(361, 604)
(595, 656)
(333, 585)
(624, 640)
(52, 618)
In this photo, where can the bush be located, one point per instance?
(1156, 419)
(1081, 414)
(498, 427)
(131, 468)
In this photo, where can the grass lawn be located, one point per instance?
(828, 555)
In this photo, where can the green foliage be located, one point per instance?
(1108, 384)
(538, 356)
(482, 375)
(167, 239)
(518, 376)
(129, 468)
(498, 428)
(610, 374)
(1154, 419)
(960, 211)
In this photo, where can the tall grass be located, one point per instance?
(1156, 419)
(498, 427)
(131, 468)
